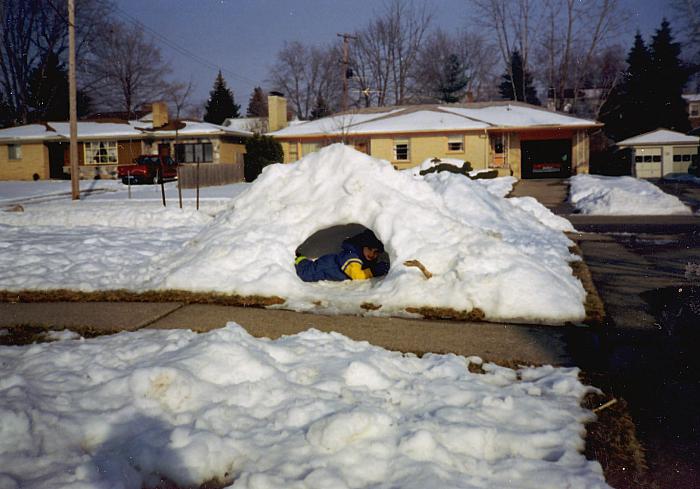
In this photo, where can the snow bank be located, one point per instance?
(598, 195)
(310, 410)
(483, 252)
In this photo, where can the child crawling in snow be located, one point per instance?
(356, 261)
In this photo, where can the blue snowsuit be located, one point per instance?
(336, 266)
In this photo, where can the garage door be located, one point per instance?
(647, 163)
(546, 158)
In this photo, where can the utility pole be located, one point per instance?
(346, 74)
(73, 105)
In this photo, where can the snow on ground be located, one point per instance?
(484, 251)
(599, 195)
(309, 410)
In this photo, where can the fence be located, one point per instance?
(209, 174)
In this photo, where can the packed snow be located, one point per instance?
(484, 251)
(310, 410)
(599, 195)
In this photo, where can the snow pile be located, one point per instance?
(310, 410)
(483, 252)
(533, 207)
(599, 195)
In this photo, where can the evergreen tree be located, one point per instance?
(257, 105)
(260, 151)
(454, 81)
(627, 110)
(6, 116)
(48, 92)
(320, 109)
(220, 105)
(669, 76)
(517, 82)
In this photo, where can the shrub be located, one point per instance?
(260, 152)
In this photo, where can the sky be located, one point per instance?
(242, 37)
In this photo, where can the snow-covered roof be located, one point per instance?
(434, 118)
(692, 97)
(118, 130)
(28, 132)
(660, 136)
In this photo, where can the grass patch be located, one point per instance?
(475, 314)
(595, 309)
(121, 295)
(26, 334)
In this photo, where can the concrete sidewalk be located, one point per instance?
(497, 342)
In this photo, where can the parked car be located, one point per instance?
(148, 169)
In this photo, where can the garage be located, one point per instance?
(546, 158)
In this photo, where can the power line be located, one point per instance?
(184, 51)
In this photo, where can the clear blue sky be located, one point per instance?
(244, 36)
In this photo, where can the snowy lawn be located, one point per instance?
(485, 252)
(621, 196)
(306, 411)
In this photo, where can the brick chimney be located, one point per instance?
(276, 111)
(160, 114)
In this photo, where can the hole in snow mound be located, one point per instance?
(330, 241)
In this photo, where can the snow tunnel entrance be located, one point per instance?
(330, 240)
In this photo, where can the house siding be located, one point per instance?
(34, 160)
(231, 152)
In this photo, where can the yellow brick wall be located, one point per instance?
(514, 157)
(580, 151)
(231, 153)
(476, 150)
(35, 159)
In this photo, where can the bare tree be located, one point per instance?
(385, 53)
(575, 32)
(125, 69)
(29, 31)
(474, 54)
(305, 73)
(688, 19)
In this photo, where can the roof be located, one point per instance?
(113, 130)
(660, 136)
(692, 97)
(435, 118)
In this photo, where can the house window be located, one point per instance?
(101, 153)
(308, 148)
(455, 143)
(656, 158)
(401, 150)
(683, 154)
(14, 152)
(638, 159)
(694, 110)
(293, 152)
(194, 153)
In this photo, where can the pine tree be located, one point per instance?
(517, 82)
(669, 76)
(48, 92)
(455, 80)
(257, 105)
(220, 105)
(320, 109)
(627, 111)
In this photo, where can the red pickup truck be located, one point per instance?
(148, 169)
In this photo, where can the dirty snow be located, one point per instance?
(484, 251)
(310, 410)
(599, 195)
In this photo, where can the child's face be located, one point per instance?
(371, 254)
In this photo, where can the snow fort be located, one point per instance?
(487, 256)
